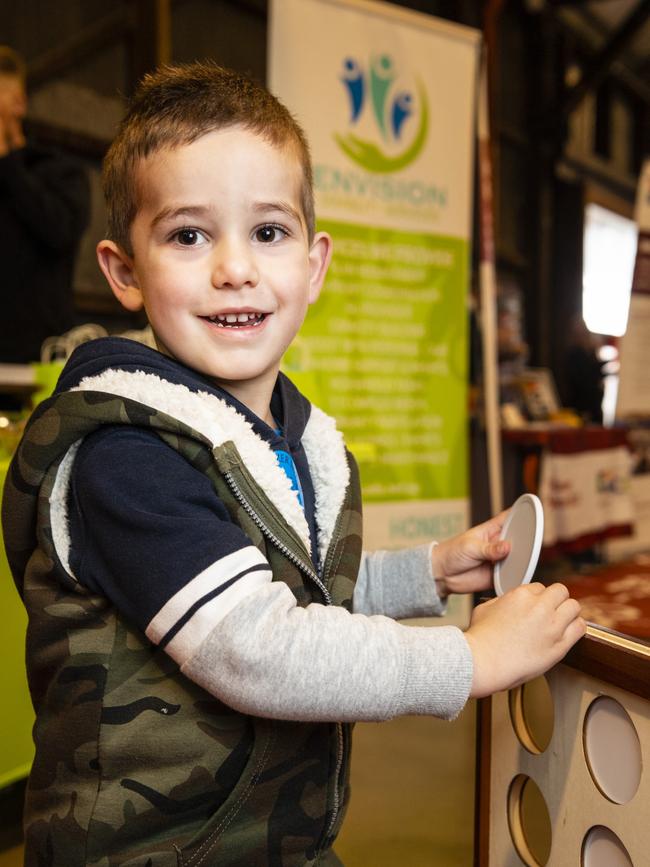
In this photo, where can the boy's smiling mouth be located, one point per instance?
(236, 320)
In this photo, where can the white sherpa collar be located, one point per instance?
(219, 423)
(330, 472)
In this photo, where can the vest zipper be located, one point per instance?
(337, 782)
(311, 574)
(339, 727)
(270, 535)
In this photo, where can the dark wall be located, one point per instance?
(234, 34)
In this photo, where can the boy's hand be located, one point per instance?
(464, 564)
(521, 635)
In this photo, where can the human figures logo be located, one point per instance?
(355, 83)
(394, 110)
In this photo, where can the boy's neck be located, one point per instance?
(255, 396)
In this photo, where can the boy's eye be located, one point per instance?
(268, 234)
(189, 237)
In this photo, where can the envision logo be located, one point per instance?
(394, 111)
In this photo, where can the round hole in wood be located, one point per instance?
(612, 749)
(529, 822)
(532, 714)
(602, 848)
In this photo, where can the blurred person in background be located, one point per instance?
(584, 372)
(44, 209)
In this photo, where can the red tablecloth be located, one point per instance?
(616, 596)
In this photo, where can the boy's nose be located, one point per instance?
(234, 265)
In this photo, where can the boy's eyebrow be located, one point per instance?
(182, 211)
(283, 207)
(166, 214)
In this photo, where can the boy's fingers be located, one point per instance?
(567, 612)
(496, 550)
(501, 517)
(485, 603)
(557, 593)
(574, 632)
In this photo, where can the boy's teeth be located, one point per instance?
(237, 318)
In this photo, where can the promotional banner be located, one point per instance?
(387, 99)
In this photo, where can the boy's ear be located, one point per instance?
(119, 270)
(320, 254)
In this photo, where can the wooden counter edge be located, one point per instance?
(614, 658)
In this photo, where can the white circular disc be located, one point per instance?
(613, 749)
(602, 848)
(524, 529)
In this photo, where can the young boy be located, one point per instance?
(185, 529)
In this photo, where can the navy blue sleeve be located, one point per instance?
(149, 532)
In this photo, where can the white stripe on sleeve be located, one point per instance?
(187, 617)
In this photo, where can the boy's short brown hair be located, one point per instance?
(175, 105)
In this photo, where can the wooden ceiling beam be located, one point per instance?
(599, 65)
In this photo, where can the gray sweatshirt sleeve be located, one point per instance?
(272, 658)
(398, 584)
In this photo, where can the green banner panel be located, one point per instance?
(384, 350)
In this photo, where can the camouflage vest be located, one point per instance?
(135, 764)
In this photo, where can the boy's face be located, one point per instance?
(221, 259)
